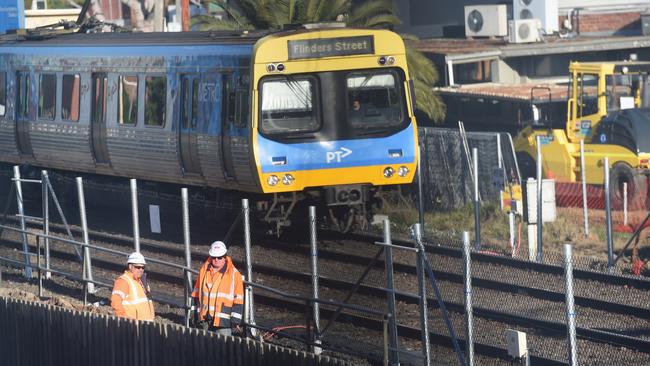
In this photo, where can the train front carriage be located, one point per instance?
(333, 114)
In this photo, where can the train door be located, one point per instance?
(24, 96)
(98, 119)
(188, 121)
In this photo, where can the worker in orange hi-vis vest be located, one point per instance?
(130, 298)
(219, 293)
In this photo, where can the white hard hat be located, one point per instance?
(136, 258)
(218, 249)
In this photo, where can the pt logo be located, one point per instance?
(337, 155)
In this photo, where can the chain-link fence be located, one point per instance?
(447, 166)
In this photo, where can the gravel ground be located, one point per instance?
(67, 293)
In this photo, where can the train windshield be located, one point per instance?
(373, 100)
(288, 105)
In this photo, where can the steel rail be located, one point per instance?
(586, 333)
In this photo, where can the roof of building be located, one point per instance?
(538, 91)
(471, 50)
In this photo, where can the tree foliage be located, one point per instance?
(273, 14)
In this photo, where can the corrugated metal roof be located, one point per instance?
(463, 49)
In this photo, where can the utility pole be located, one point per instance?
(185, 15)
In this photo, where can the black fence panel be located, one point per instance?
(42, 335)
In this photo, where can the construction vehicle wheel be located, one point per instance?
(637, 187)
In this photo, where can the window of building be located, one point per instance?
(127, 100)
(3, 93)
(155, 100)
(47, 96)
(70, 98)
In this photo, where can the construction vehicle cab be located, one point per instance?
(607, 107)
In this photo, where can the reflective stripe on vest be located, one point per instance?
(136, 304)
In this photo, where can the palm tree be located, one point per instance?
(273, 14)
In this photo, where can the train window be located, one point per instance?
(70, 98)
(127, 100)
(155, 100)
(242, 107)
(288, 105)
(228, 98)
(100, 89)
(190, 108)
(3, 93)
(47, 96)
(24, 93)
(375, 99)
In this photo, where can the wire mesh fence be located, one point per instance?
(580, 218)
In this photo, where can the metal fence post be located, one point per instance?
(314, 276)
(422, 293)
(187, 285)
(583, 175)
(570, 311)
(511, 227)
(540, 220)
(135, 215)
(469, 323)
(46, 220)
(23, 227)
(249, 309)
(625, 203)
(420, 188)
(477, 204)
(87, 265)
(394, 345)
(608, 218)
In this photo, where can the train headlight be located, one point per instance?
(280, 67)
(287, 179)
(273, 180)
(386, 60)
(270, 67)
(402, 171)
(388, 172)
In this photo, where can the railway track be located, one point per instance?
(449, 282)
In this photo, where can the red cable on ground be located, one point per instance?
(270, 334)
(637, 266)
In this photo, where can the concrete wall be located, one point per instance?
(38, 18)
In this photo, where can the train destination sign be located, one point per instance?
(344, 46)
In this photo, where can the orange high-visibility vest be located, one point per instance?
(221, 294)
(129, 299)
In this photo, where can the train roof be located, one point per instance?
(49, 39)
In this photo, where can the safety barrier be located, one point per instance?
(39, 334)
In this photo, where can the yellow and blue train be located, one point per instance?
(322, 114)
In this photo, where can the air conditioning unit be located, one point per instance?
(524, 31)
(486, 21)
(544, 10)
